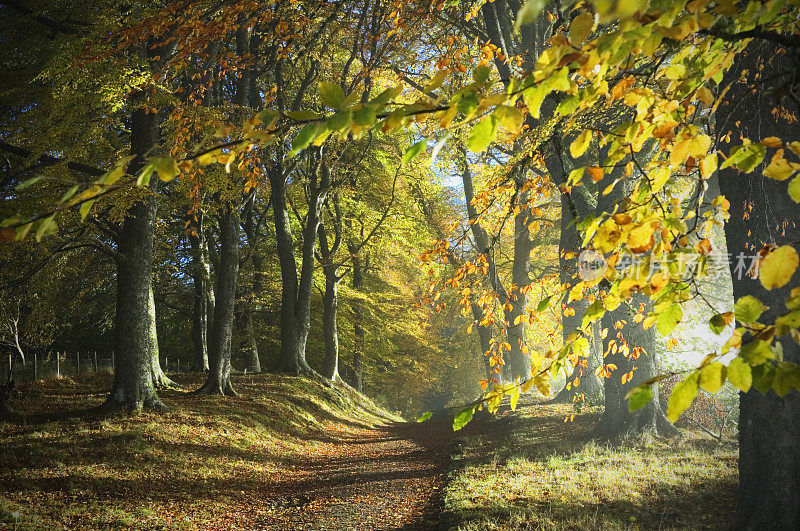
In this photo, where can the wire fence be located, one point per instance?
(40, 366)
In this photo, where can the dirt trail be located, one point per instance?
(385, 478)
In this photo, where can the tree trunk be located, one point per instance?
(201, 278)
(330, 302)
(769, 425)
(359, 332)
(631, 348)
(296, 293)
(251, 360)
(160, 380)
(218, 382)
(133, 387)
(589, 386)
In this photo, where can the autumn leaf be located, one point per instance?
(778, 267)
(682, 396)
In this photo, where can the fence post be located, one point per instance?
(35, 366)
(95, 362)
(58, 364)
(77, 362)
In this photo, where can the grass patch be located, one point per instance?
(532, 470)
(202, 462)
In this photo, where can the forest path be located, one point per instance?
(389, 477)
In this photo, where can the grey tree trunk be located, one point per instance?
(251, 359)
(516, 363)
(769, 425)
(359, 332)
(330, 302)
(218, 381)
(160, 380)
(590, 387)
(621, 346)
(133, 388)
(251, 229)
(296, 292)
(201, 279)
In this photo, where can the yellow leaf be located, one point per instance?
(581, 27)
(509, 117)
(542, 383)
(712, 376)
(579, 145)
(708, 165)
(526, 385)
(682, 396)
(778, 267)
(780, 169)
(794, 189)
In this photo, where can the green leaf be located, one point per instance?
(46, 226)
(467, 104)
(365, 116)
(29, 182)
(717, 324)
(528, 13)
(740, 374)
(482, 134)
(746, 158)
(568, 105)
(595, 311)
(425, 416)
(304, 138)
(787, 321)
(145, 174)
(340, 120)
(388, 95)
(682, 396)
(303, 116)
(763, 377)
(543, 304)
(748, 309)
(481, 73)
(712, 376)
(86, 207)
(668, 319)
(413, 151)
(331, 94)
(69, 193)
(638, 397)
(787, 377)
(756, 352)
(463, 418)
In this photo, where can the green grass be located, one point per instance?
(534, 471)
(201, 462)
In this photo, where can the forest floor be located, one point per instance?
(292, 454)
(287, 454)
(531, 469)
